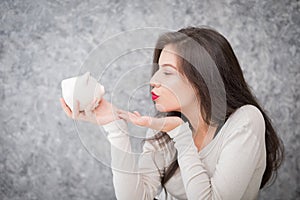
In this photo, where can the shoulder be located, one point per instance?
(247, 114)
(248, 118)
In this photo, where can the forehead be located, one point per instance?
(169, 56)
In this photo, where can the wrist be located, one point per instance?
(172, 123)
(101, 121)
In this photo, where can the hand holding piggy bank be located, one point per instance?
(83, 88)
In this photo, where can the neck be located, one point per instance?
(203, 133)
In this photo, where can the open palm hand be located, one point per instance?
(134, 118)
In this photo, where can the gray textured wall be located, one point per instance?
(42, 156)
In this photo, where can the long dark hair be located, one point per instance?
(237, 92)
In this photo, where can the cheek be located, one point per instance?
(183, 91)
(167, 102)
(184, 99)
(186, 96)
(176, 96)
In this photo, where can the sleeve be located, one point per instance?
(132, 180)
(236, 165)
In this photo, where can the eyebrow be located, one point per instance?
(169, 65)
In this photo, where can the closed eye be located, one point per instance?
(167, 73)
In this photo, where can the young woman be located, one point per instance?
(212, 139)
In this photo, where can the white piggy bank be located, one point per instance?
(83, 88)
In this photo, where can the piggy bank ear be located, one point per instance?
(86, 77)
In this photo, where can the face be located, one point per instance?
(172, 91)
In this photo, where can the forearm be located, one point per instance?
(128, 178)
(122, 161)
(194, 175)
(164, 124)
(234, 169)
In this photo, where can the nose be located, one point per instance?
(154, 82)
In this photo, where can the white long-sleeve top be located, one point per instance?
(229, 167)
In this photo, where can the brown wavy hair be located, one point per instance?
(236, 89)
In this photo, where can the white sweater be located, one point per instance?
(229, 167)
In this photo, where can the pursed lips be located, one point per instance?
(154, 96)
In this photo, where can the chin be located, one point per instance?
(159, 107)
(162, 108)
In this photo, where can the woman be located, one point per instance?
(214, 140)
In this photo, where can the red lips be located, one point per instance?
(154, 96)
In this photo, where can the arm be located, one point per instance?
(164, 124)
(127, 182)
(132, 180)
(160, 124)
(238, 160)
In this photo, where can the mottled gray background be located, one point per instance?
(43, 42)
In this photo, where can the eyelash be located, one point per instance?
(167, 73)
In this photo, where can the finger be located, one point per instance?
(121, 111)
(94, 104)
(88, 111)
(123, 116)
(76, 110)
(124, 113)
(66, 108)
(137, 113)
(128, 116)
(132, 116)
(148, 118)
(91, 105)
